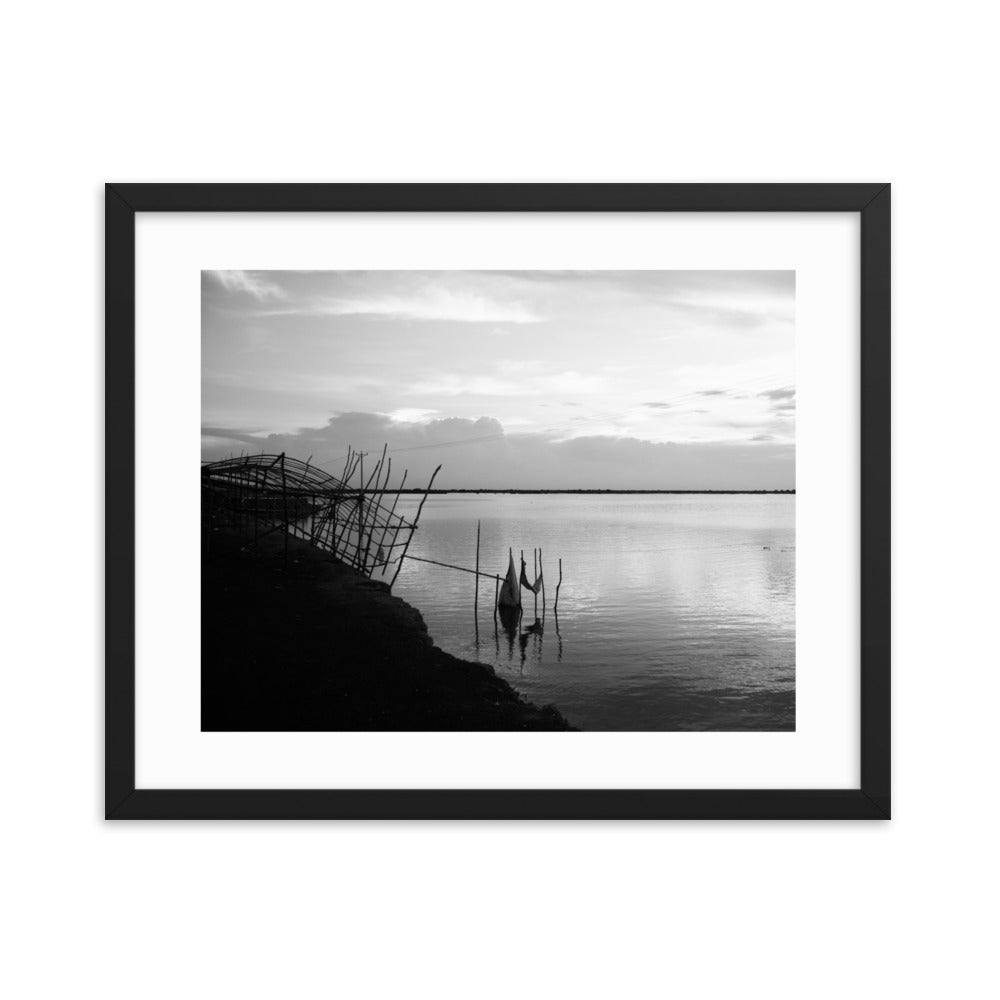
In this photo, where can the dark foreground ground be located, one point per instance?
(317, 646)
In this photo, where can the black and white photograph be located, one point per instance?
(498, 500)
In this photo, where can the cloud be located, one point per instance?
(778, 394)
(431, 303)
(739, 299)
(230, 434)
(249, 282)
(762, 437)
(659, 406)
(782, 400)
(713, 392)
(509, 383)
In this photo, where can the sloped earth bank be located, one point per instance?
(313, 645)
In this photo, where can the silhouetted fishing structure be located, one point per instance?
(352, 517)
(508, 591)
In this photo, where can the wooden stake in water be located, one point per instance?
(534, 564)
(479, 525)
(558, 585)
(541, 572)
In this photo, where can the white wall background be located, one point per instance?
(512, 91)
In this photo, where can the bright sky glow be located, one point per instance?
(519, 377)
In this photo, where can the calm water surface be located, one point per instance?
(675, 612)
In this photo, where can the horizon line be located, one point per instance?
(486, 489)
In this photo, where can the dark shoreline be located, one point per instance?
(312, 645)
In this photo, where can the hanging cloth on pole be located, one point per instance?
(533, 587)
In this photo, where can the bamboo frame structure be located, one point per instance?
(257, 495)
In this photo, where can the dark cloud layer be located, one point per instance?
(479, 454)
(778, 394)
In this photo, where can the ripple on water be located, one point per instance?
(676, 612)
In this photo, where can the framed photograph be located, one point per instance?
(498, 501)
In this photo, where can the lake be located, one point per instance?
(676, 612)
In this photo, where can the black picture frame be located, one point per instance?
(869, 801)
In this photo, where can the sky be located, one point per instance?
(516, 379)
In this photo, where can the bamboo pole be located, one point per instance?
(423, 500)
(374, 473)
(461, 569)
(355, 459)
(380, 507)
(360, 509)
(361, 513)
(361, 555)
(342, 542)
(371, 516)
(558, 585)
(376, 506)
(541, 573)
(339, 531)
(475, 605)
(256, 502)
(284, 504)
(343, 474)
(238, 517)
(534, 582)
(388, 524)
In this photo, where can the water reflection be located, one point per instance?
(510, 620)
(675, 612)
